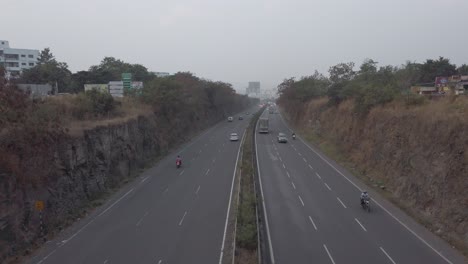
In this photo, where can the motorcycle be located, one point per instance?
(294, 137)
(178, 163)
(366, 205)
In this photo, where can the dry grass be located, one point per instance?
(418, 152)
(245, 256)
(126, 109)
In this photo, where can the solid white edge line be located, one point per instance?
(272, 256)
(92, 220)
(388, 256)
(46, 257)
(112, 205)
(312, 221)
(230, 199)
(360, 224)
(183, 217)
(328, 252)
(302, 202)
(413, 232)
(82, 228)
(341, 202)
(381, 206)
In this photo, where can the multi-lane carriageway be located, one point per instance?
(170, 215)
(314, 215)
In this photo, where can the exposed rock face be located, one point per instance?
(419, 155)
(80, 170)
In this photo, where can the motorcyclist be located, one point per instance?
(294, 135)
(178, 160)
(364, 197)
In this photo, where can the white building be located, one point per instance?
(253, 90)
(16, 60)
(161, 74)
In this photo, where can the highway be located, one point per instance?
(314, 216)
(166, 215)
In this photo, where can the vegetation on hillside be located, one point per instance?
(369, 86)
(413, 148)
(27, 124)
(49, 70)
(37, 135)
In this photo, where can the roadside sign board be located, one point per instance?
(127, 80)
(39, 205)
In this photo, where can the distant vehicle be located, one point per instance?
(272, 111)
(233, 137)
(241, 118)
(178, 162)
(282, 138)
(230, 119)
(263, 125)
(366, 205)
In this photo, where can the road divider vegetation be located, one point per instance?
(247, 238)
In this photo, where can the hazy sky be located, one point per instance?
(241, 40)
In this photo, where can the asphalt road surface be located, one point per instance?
(314, 215)
(167, 215)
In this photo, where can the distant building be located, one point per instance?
(161, 74)
(253, 90)
(459, 83)
(16, 60)
(37, 91)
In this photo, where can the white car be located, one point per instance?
(230, 119)
(233, 137)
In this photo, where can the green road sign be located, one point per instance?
(127, 80)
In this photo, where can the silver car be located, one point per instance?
(233, 137)
(282, 138)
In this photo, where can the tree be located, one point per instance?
(368, 66)
(46, 56)
(407, 75)
(435, 68)
(340, 76)
(48, 70)
(463, 69)
(342, 72)
(111, 69)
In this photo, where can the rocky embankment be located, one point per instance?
(419, 154)
(79, 171)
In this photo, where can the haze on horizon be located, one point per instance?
(239, 41)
